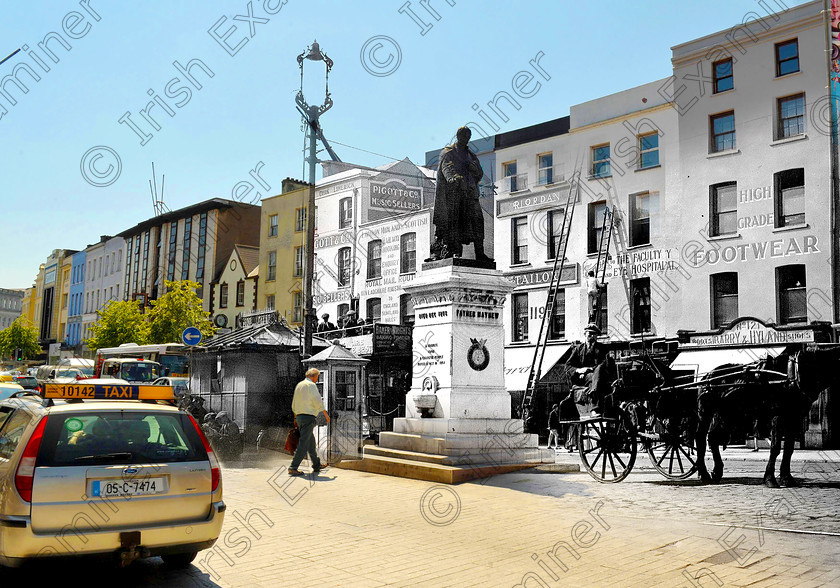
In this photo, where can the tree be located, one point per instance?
(176, 310)
(120, 321)
(20, 335)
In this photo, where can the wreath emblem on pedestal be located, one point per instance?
(478, 356)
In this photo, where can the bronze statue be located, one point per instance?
(458, 217)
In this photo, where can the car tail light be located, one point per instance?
(216, 472)
(26, 467)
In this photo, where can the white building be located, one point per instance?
(103, 278)
(373, 230)
(721, 191)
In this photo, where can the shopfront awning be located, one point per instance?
(702, 361)
(518, 364)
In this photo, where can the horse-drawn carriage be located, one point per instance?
(641, 404)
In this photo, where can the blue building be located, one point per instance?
(75, 307)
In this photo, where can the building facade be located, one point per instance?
(11, 306)
(49, 290)
(75, 307)
(282, 251)
(234, 290)
(192, 243)
(374, 229)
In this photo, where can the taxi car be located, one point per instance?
(7, 389)
(105, 467)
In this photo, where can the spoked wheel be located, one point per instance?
(607, 447)
(671, 449)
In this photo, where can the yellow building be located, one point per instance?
(27, 310)
(282, 255)
(51, 286)
(64, 296)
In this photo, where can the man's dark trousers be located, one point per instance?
(306, 424)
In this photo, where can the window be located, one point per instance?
(202, 245)
(298, 269)
(790, 197)
(344, 266)
(300, 220)
(272, 266)
(724, 298)
(342, 310)
(557, 326)
(269, 302)
(345, 390)
(648, 150)
(408, 253)
(597, 216)
(374, 310)
(223, 296)
(545, 166)
(787, 58)
(791, 120)
(601, 161)
(272, 225)
(724, 209)
(723, 131)
(555, 232)
(510, 176)
(406, 310)
(520, 317)
(722, 76)
(790, 280)
(345, 213)
(185, 260)
(13, 429)
(640, 311)
(297, 302)
(240, 293)
(374, 264)
(519, 240)
(639, 219)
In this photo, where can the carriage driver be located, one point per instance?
(587, 357)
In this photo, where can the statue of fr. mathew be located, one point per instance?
(457, 214)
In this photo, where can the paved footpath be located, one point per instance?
(528, 529)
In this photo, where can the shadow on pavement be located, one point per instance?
(77, 571)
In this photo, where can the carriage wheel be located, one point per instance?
(671, 449)
(607, 447)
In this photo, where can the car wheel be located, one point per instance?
(179, 560)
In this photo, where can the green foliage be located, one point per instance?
(120, 321)
(21, 334)
(176, 310)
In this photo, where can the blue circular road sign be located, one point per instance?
(191, 336)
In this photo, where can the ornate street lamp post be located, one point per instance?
(311, 115)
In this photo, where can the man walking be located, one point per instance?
(306, 404)
(554, 427)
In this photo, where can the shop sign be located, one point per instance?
(392, 198)
(335, 188)
(337, 296)
(333, 240)
(749, 252)
(360, 344)
(529, 279)
(391, 338)
(750, 331)
(642, 262)
(531, 202)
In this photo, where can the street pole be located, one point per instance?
(309, 319)
(311, 116)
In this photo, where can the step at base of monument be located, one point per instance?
(494, 456)
(433, 426)
(457, 443)
(429, 472)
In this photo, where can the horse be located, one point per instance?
(777, 391)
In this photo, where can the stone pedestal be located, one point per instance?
(458, 350)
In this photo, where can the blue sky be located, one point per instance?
(244, 114)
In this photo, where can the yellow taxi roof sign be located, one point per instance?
(108, 392)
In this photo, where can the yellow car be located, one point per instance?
(105, 467)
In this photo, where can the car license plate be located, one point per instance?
(120, 487)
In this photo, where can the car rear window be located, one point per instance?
(130, 437)
(27, 381)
